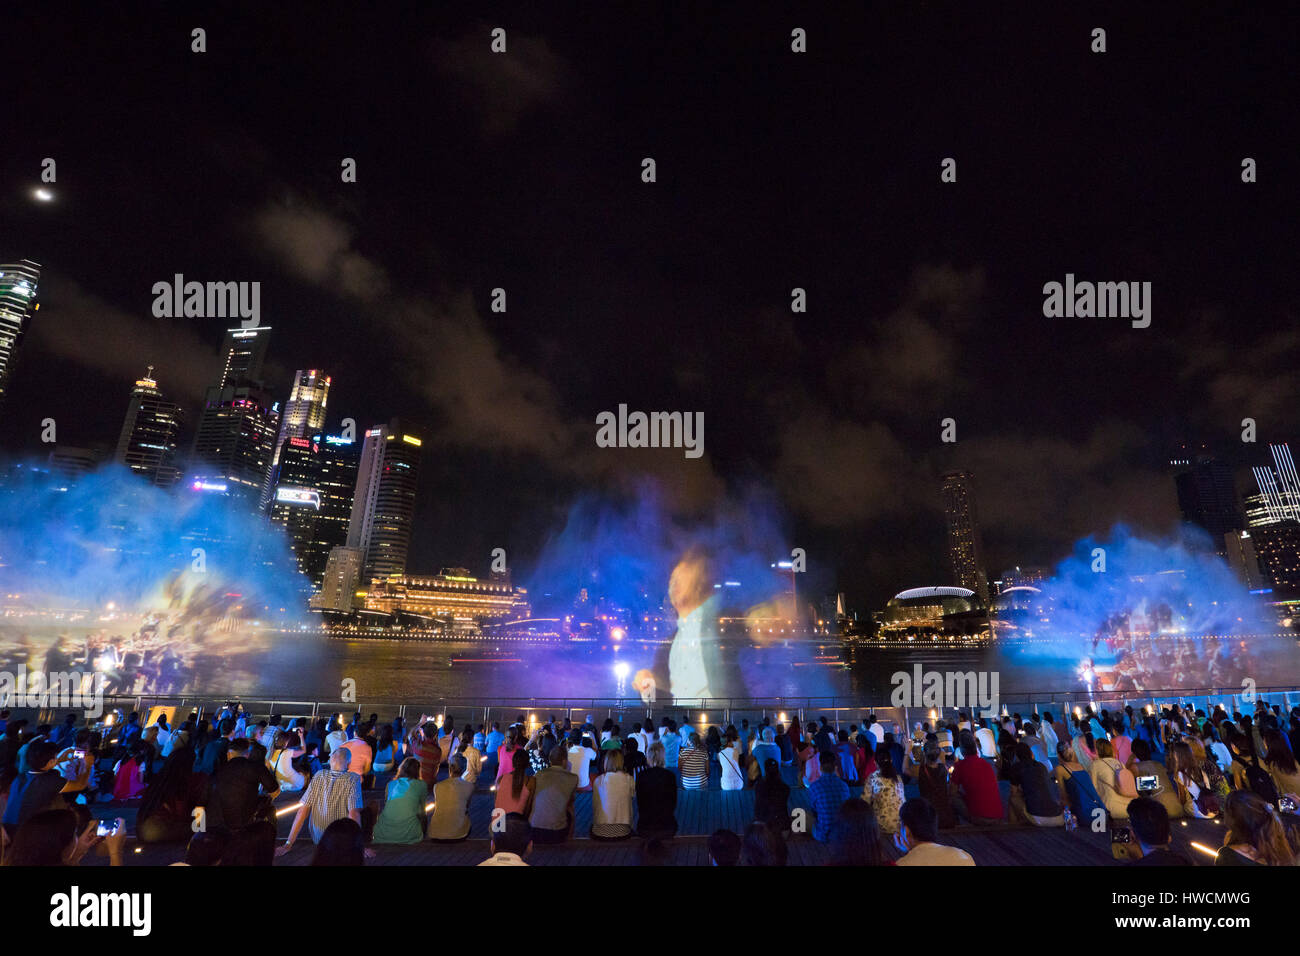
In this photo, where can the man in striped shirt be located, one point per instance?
(331, 795)
(693, 762)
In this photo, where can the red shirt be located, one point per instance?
(430, 758)
(979, 785)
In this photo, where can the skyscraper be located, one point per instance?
(303, 415)
(147, 444)
(242, 353)
(1207, 498)
(1274, 520)
(965, 550)
(313, 498)
(18, 283)
(384, 503)
(238, 423)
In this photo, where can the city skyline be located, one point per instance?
(924, 298)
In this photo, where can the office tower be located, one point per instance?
(236, 434)
(341, 581)
(965, 549)
(303, 415)
(313, 498)
(1274, 516)
(242, 353)
(69, 463)
(238, 423)
(147, 444)
(1207, 498)
(384, 503)
(18, 283)
(1239, 547)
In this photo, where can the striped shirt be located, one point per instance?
(332, 795)
(694, 763)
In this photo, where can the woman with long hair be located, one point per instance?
(515, 792)
(1281, 763)
(166, 813)
(285, 750)
(388, 751)
(613, 795)
(1256, 835)
(883, 791)
(1188, 776)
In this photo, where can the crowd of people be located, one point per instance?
(211, 786)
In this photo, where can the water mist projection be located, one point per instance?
(161, 590)
(1128, 614)
(682, 608)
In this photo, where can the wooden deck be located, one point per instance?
(699, 814)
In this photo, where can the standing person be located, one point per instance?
(672, 744)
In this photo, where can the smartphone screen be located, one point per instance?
(107, 828)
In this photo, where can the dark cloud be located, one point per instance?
(502, 87)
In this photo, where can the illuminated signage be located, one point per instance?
(208, 486)
(298, 496)
(412, 441)
(299, 443)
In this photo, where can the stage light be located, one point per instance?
(621, 670)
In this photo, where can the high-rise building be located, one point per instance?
(340, 588)
(1239, 547)
(1273, 517)
(69, 463)
(236, 434)
(965, 549)
(238, 423)
(1207, 498)
(303, 415)
(242, 353)
(18, 283)
(384, 503)
(313, 498)
(147, 444)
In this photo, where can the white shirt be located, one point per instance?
(503, 859)
(878, 732)
(687, 677)
(580, 759)
(611, 798)
(335, 740)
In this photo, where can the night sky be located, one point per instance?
(775, 170)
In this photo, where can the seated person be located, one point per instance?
(975, 782)
(1149, 821)
(402, 819)
(449, 822)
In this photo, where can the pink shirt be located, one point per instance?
(1123, 747)
(361, 756)
(505, 761)
(505, 801)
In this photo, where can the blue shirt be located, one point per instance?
(672, 745)
(494, 742)
(828, 794)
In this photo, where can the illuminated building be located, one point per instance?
(935, 614)
(312, 499)
(384, 503)
(148, 441)
(18, 283)
(453, 594)
(238, 423)
(1277, 548)
(965, 550)
(1278, 500)
(242, 353)
(341, 581)
(1239, 547)
(303, 415)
